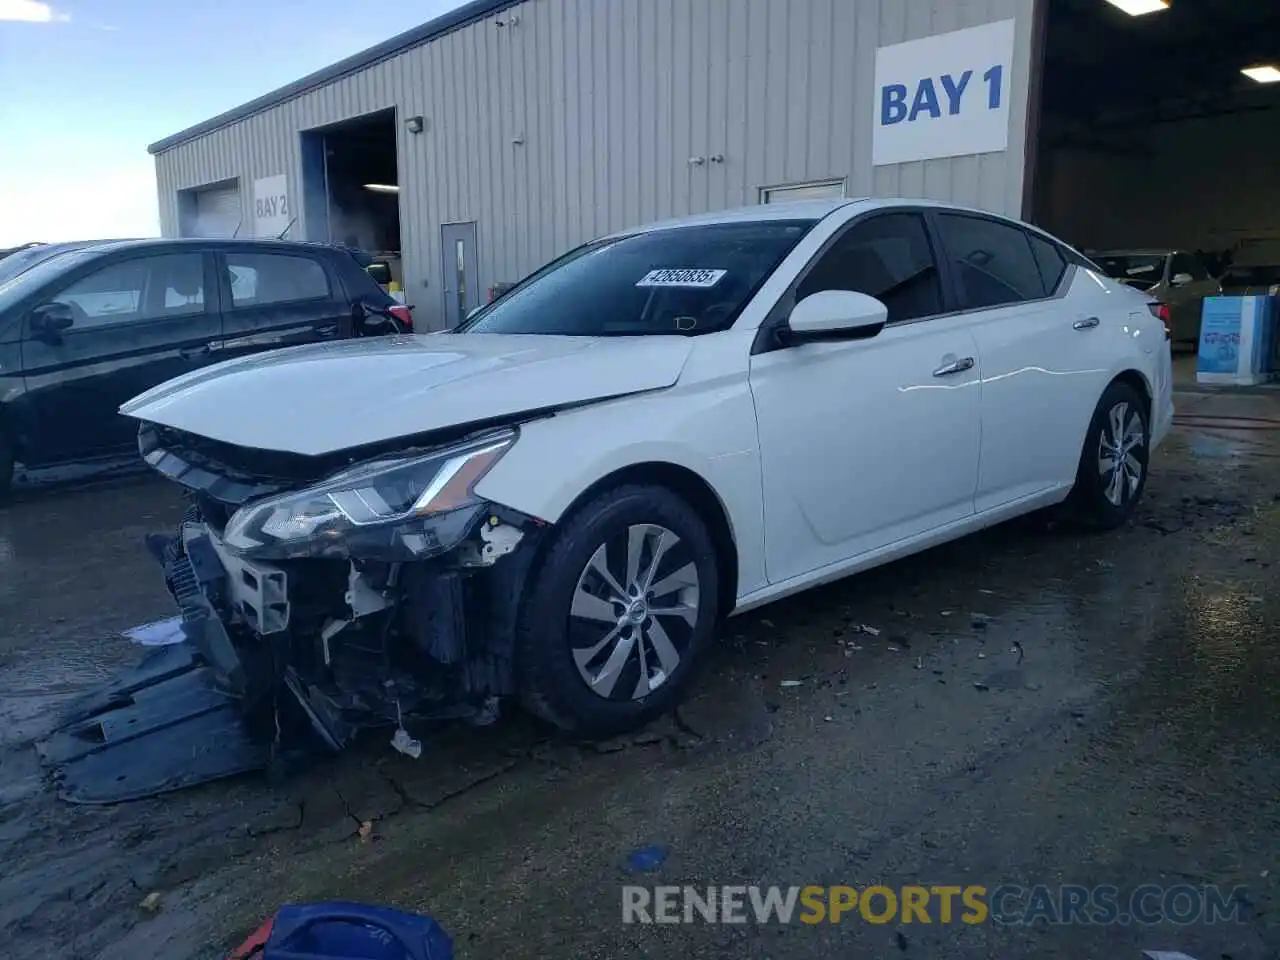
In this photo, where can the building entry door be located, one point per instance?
(460, 279)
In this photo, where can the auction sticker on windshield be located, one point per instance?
(688, 277)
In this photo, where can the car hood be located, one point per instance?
(321, 398)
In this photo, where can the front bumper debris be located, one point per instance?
(163, 726)
(294, 660)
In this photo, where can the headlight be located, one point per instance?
(405, 508)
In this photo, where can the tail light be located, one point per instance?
(1161, 312)
(403, 314)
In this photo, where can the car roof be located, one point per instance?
(810, 210)
(247, 243)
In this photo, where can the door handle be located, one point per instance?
(194, 353)
(1085, 323)
(955, 366)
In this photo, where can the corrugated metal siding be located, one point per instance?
(611, 99)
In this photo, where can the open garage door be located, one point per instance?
(212, 211)
(1159, 141)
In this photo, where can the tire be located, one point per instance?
(579, 644)
(1104, 497)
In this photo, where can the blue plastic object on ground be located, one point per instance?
(647, 858)
(354, 931)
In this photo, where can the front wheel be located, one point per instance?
(1113, 465)
(619, 613)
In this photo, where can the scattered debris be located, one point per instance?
(160, 633)
(791, 683)
(365, 833)
(828, 719)
(1104, 564)
(981, 655)
(151, 902)
(989, 593)
(979, 621)
(945, 613)
(979, 685)
(869, 630)
(647, 858)
(406, 744)
(1017, 648)
(769, 624)
(919, 663)
(1166, 955)
(902, 940)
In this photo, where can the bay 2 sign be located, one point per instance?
(944, 96)
(271, 216)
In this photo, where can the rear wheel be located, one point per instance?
(1113, 465)
(619, 614)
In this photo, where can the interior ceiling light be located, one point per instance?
(1264, 73)
(382, 187)
(1136, 8)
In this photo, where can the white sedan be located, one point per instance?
(560, 501)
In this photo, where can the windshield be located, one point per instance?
(24, 260)
(14, 288)
(682, 280)
(1143, 270)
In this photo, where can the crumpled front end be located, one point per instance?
(325, 596)
(382, 589)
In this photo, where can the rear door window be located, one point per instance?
(260, 279)
(993, 261)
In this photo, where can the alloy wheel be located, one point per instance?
(633, 612)
(1123, 434)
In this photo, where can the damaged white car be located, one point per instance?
(556, 504)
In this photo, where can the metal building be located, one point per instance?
(520, 129)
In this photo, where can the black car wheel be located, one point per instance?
(1113, 464)
(619, 613)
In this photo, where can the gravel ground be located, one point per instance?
(1037, 707)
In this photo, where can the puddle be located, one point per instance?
(1206, 445)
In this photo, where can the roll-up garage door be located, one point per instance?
(216, 212)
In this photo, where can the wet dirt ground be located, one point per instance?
(1039, 706)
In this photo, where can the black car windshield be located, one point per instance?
(14, 288)
(24, 260)
(681, 280)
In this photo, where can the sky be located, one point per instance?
(86, 85)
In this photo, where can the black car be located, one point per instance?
(85, 330)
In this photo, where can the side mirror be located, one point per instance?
(1181, 279)
(52, 318)
(836, 315)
